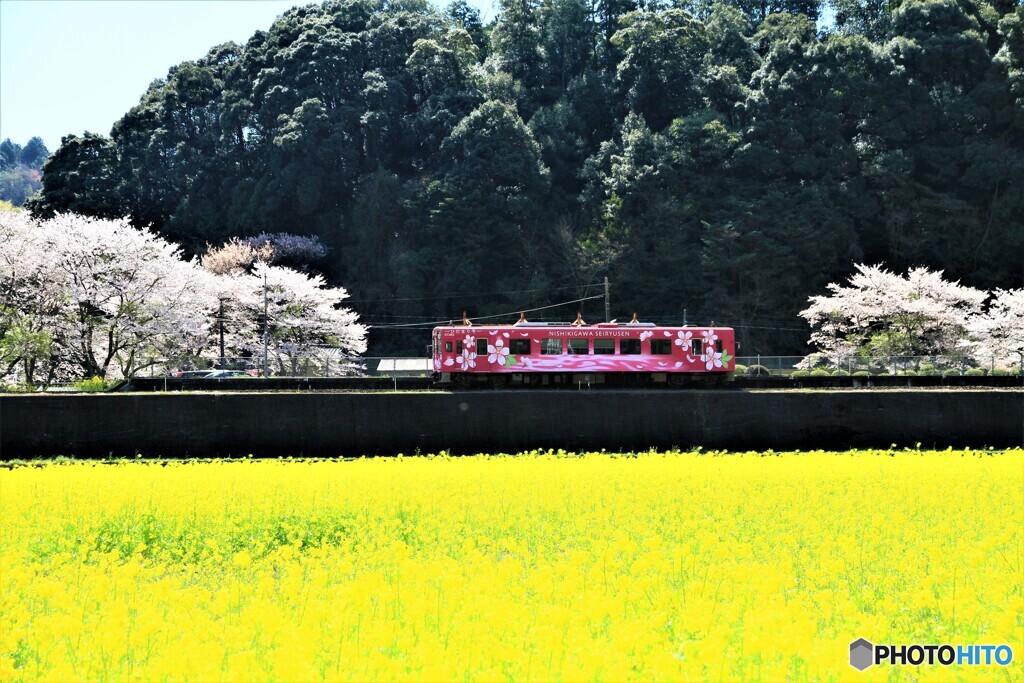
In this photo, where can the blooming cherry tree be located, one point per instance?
(30, 295)
(111, 298)
(998, 333)
(236, 257)
(132, 296)
(305, 316)
(884, 313)
(84, 297)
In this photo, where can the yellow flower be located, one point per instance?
(658, 566)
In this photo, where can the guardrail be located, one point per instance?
(415, 373)
(385, 366)
(903, 366)
(400, 384)
(320, 365)
(281, 384)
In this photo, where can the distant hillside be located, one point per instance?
(20, 169)
(727, 159)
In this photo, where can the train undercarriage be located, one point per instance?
(581, 380)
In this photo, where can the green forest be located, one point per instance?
(728, 160)
(20, 169)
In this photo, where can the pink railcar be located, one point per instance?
(554, 353)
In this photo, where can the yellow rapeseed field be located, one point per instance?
(654, 566)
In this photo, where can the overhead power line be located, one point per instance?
(460, 295)
(488, 317)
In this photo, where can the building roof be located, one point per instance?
(404, 365)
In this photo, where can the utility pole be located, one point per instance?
(266, 322)
(220, 320)
(607, 302)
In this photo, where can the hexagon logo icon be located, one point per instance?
(862, 654)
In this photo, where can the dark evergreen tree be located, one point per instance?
(10, 154)
(34, 154)
(80, 178)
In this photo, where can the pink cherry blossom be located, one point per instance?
(892, 314)
(466, 359)
(497, 352)
(147, 304)
(711, 358)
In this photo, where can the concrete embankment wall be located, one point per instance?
(180, 425)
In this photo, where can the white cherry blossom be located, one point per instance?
(466, 359)
(998, 333)
(711, 358)
(110, 299)
(888, 314)
(497, 352)
(683, 339)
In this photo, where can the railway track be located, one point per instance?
(381, 384)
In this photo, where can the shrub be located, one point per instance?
(927, 370)
(91, 384)
(800, 373)
(741, 369)
(862, 373)
(840, 373)
(1003, 372)
(820, 372)
(758, 370)
(975, 372)
(907, 373)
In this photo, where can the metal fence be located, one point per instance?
(876, 365)
(295, 366)
(337, 366)
(380, 366)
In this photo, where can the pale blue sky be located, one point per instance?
(71, 66)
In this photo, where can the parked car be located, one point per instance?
(193, 374)
(228, 374)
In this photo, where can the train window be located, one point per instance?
(604, 346)
(696, 347)
(661, 347)
(579, 346)
(520, 347)
(551, 346)
(447, 347)
(458, 347)
(629, 347)
(481, 347)
(718, 345)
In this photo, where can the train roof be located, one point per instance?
(523, 323)
(611, 325)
